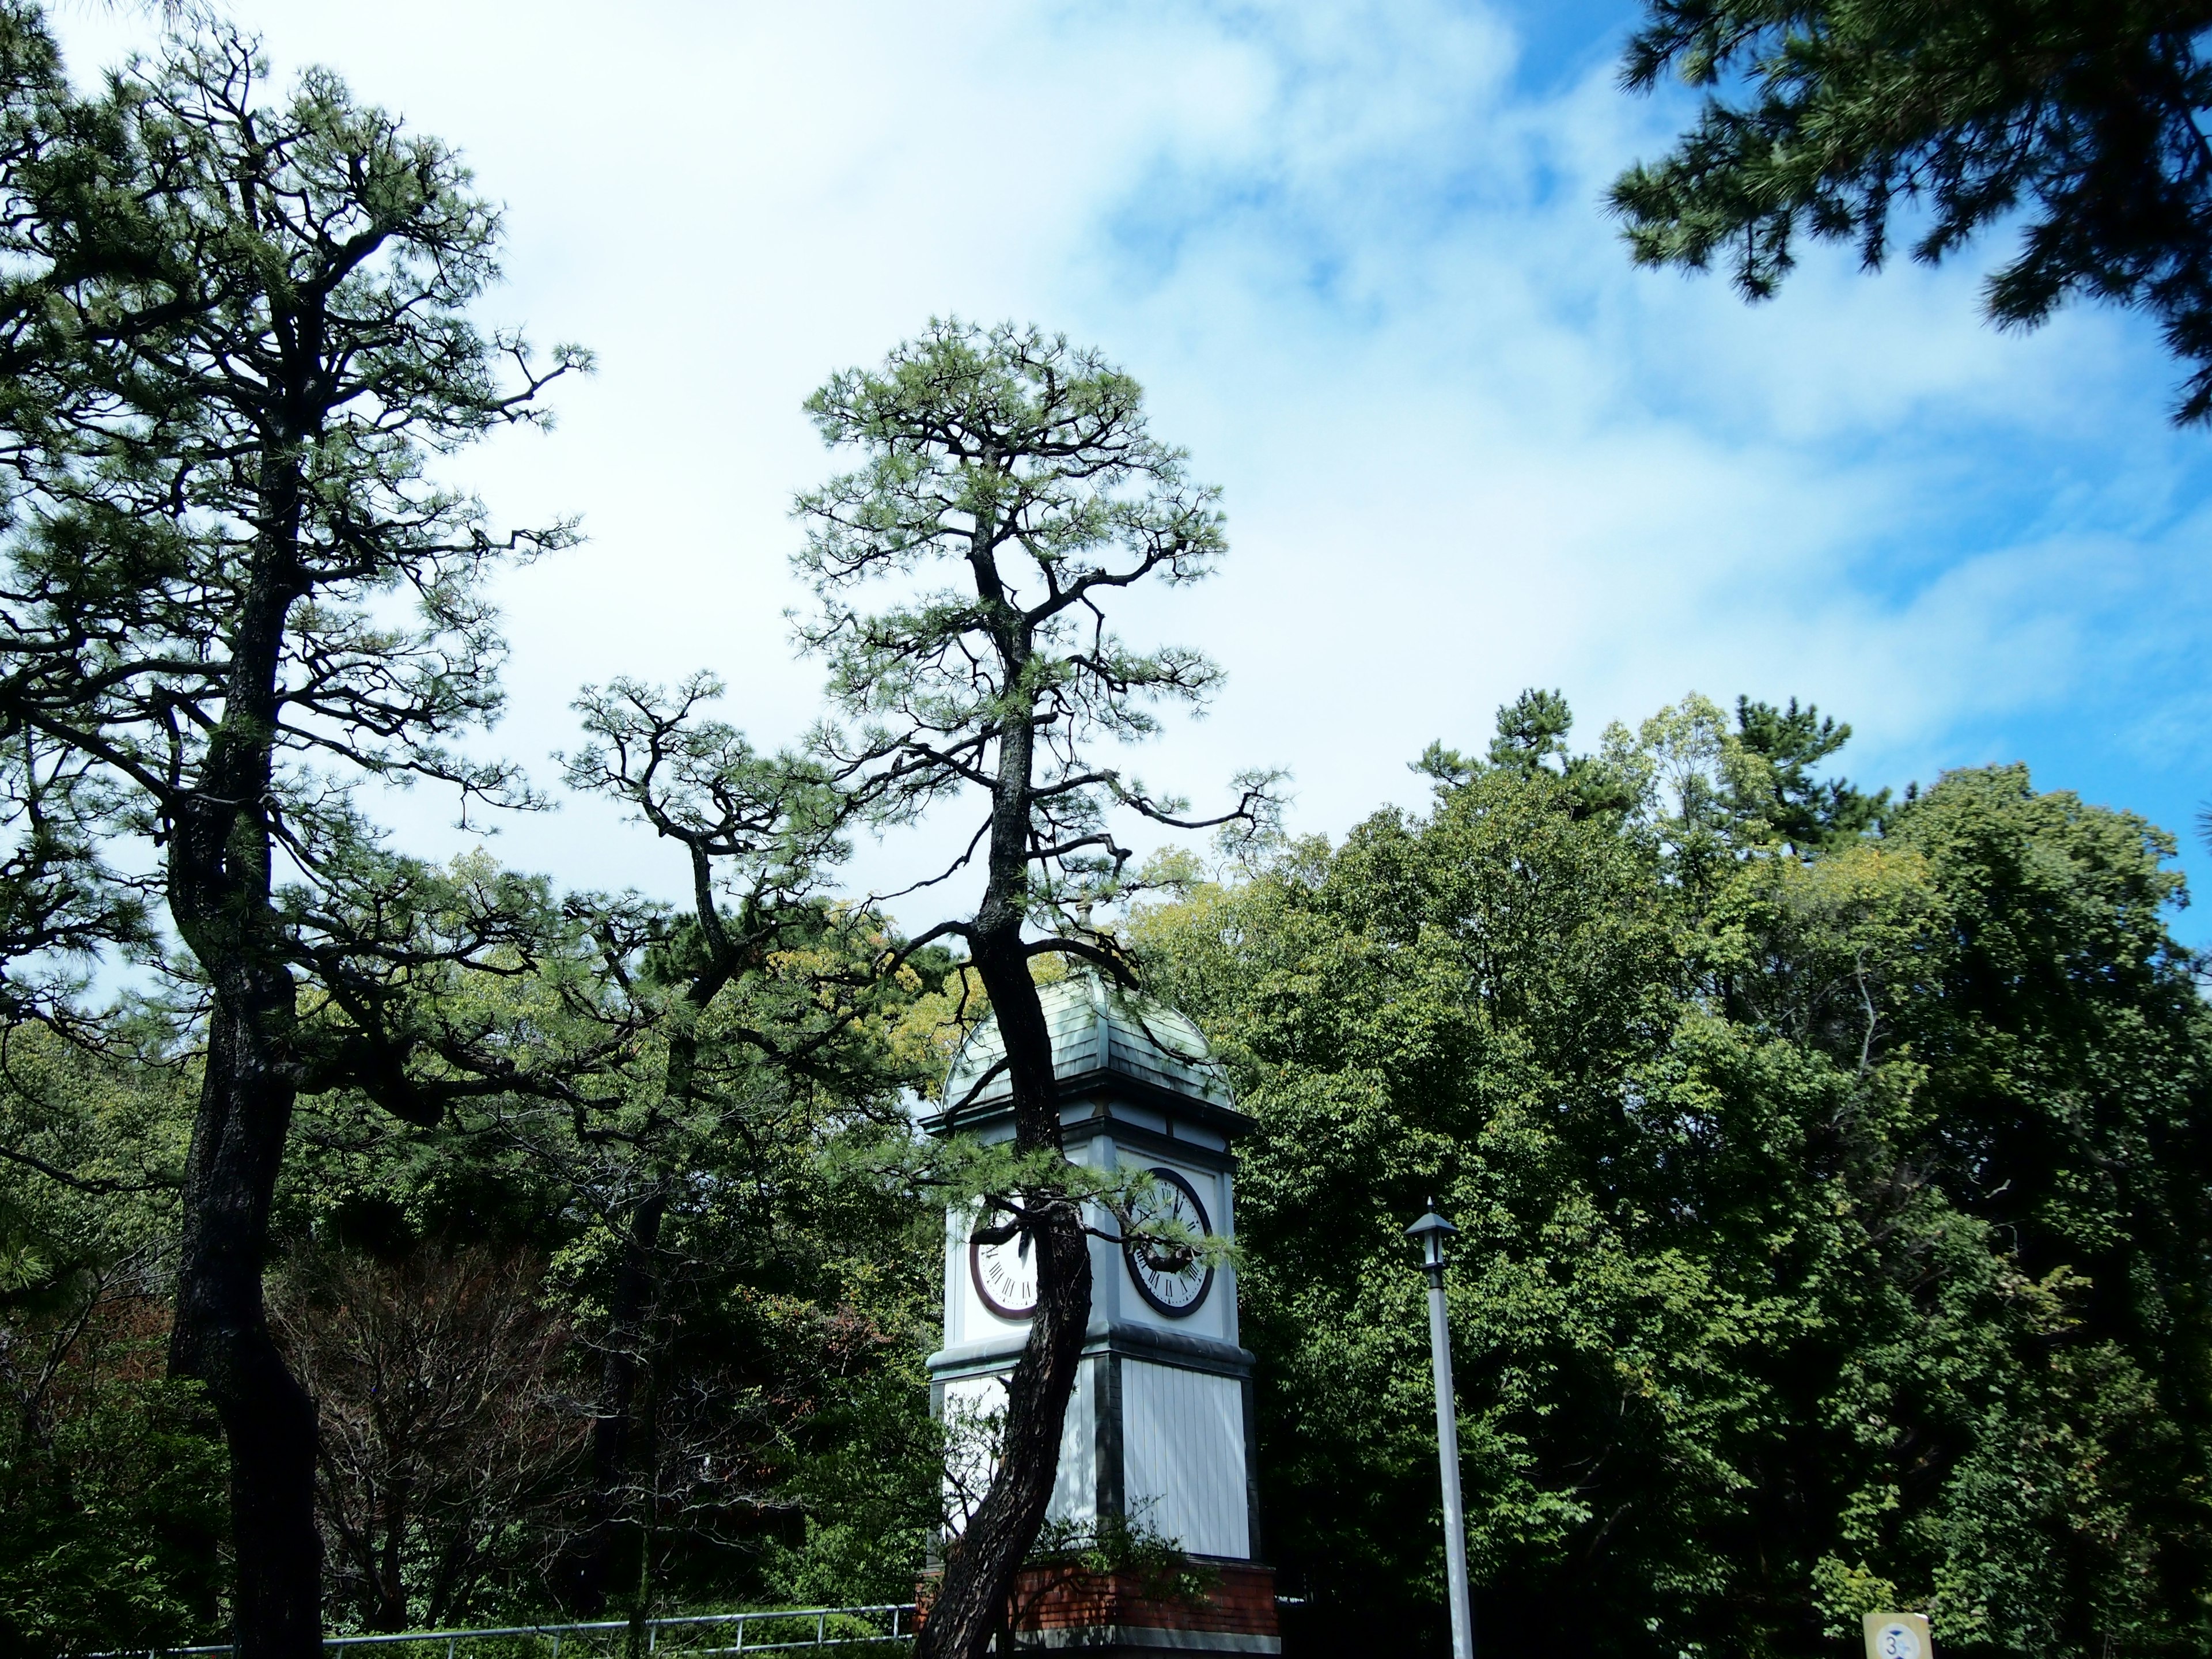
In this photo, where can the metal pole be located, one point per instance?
(1431, 1230)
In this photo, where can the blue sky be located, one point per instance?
(1355, 253)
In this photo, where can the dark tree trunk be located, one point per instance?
(221, 1336)
(391, 1605)
(982, 1567)
(219, 890)
(585, 1575)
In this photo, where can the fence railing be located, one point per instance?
(687, 1636)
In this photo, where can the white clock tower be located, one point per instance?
(1159, 1427)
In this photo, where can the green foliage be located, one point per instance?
(1805, 812)
(104, 1516)
(1833, 1203)
(1017, 470)
(111, 1484)
(2081, 118)
(1532, 733)
(362, 236)
(1069, 1552)
(759, 1347)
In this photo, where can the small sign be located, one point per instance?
(1898, 1636)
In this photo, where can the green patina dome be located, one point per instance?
(1100, 1031)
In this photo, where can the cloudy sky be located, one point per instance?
(1356, 255)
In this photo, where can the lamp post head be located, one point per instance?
(1432, 1230)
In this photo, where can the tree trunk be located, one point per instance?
(391, 1614)
(585, 1575)
(982, 1567)
(219, 892)
(641, 1606)
(221, 1335)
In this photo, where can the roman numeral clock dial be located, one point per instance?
(1169, 1274)
(1006, 1275)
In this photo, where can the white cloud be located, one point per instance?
(1465, 447)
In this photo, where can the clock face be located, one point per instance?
(1170, 1277)
(1006, 1275)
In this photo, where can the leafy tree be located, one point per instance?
(1532, 734)
(774, 1437)
(1712, 794)
(64, 223)
(209, 624)
(1805, 812)
(731, 1299)
(2064, 1044)
(759, 1010)
(2084, 119)
(1834, 1213)
(1017, 470)
(109, 1490)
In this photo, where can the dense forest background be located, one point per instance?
(1831, 1169)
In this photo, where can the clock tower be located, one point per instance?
(1159, 1430)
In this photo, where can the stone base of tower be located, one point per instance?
(1110, 1616)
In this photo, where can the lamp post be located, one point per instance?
(1431, 1230)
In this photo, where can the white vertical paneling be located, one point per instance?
(976, 1410)
(1183, 1456)
(1075, 1494)
(1106, 1267)
(958, 1293)
(974, 1413)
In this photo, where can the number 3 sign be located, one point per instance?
(1898, 1636)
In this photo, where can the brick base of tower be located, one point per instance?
(1110, 1616)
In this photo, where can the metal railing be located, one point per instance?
(687, 1636)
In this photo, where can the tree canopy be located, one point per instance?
(231, 590)
(2081, 120)
(1832, 1206)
